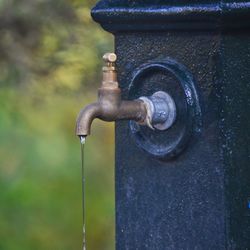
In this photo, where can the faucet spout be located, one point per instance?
(86, 117)
(109, 110)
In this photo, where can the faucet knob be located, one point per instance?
(110, 58)
(109, 79)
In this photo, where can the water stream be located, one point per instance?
(83, 140)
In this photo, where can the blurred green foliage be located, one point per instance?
(50, 67)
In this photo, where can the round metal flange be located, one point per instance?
(166, 82)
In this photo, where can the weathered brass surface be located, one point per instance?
(109, 106)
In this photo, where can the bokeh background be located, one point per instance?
(50, 56)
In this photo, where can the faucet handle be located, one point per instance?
(109, 79)
(110, 58)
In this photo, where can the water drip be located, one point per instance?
(82, 141)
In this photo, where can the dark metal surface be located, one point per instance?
(234, 98)
(126, 15)
(200, 199)
(176, 204)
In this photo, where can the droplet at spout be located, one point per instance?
(82, 139)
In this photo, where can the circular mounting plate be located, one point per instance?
(173, 78)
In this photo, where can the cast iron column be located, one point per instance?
(187, 187)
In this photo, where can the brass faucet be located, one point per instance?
(157, 111)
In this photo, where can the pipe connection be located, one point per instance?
(157, 111)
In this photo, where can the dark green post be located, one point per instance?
(187, 187)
